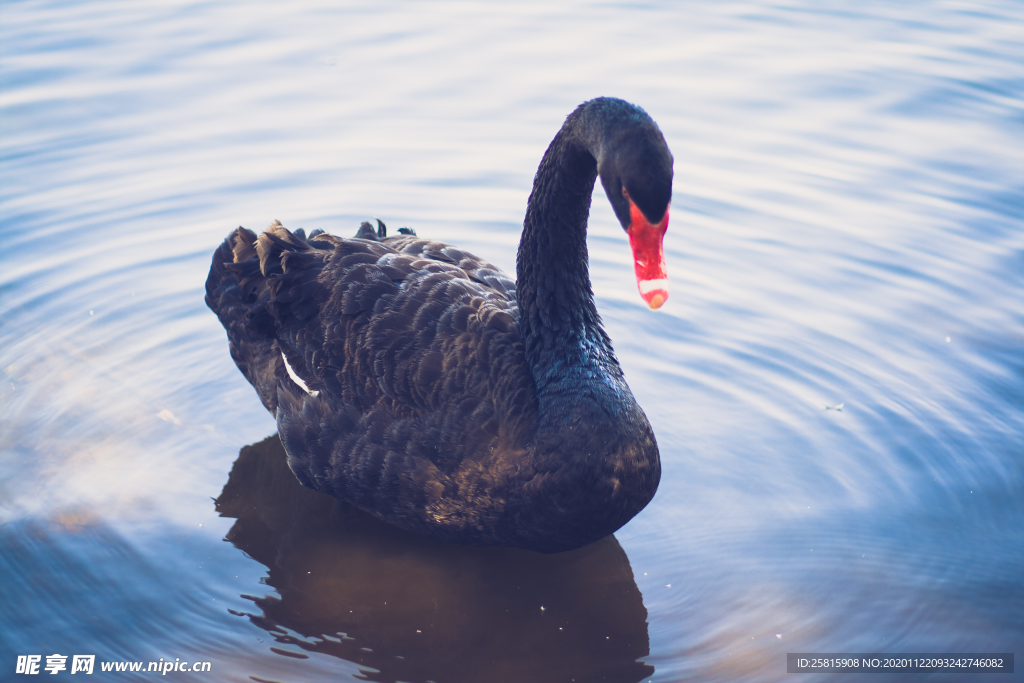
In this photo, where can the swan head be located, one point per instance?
(635, 167)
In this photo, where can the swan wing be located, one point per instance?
(412, 360)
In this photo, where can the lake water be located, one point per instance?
(836, 383)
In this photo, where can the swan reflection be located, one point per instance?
(405, 608)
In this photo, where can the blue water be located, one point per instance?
(836, 382)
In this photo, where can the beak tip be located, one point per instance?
(656, 299)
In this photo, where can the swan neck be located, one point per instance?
(562, 331)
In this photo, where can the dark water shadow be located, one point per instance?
(406, 608)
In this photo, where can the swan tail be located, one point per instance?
(263, 289)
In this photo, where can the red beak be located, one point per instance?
(648, 255)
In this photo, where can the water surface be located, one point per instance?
(836, 382)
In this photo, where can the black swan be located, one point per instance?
(420, 384)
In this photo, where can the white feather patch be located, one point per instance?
(296, 378)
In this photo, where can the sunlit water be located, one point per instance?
(836, 382)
